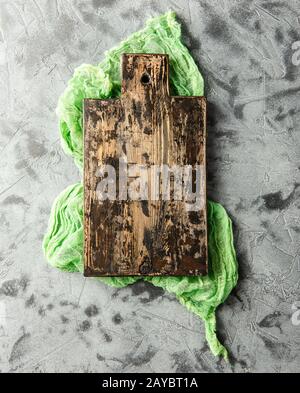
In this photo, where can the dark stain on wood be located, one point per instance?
(148, 126)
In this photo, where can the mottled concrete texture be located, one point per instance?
(53, 321)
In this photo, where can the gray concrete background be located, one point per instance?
(53, 321)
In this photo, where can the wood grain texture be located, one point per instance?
(149, 127)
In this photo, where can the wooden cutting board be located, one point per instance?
(148, 234)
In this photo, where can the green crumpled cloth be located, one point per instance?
(63, 242)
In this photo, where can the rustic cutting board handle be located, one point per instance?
(144, 73)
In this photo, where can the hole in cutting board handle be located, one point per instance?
(145, 79)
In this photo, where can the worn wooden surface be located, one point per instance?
(147, 126)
